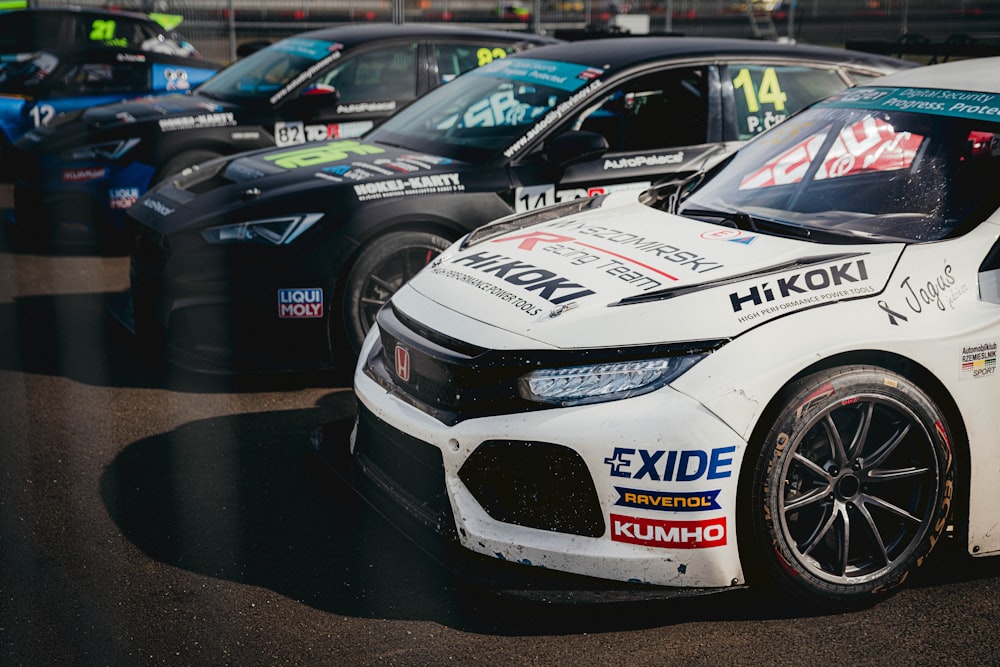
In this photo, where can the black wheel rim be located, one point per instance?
(858, 489)
(389, 276)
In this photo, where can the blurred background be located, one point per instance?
(922, 29)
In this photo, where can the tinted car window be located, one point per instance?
(856, 171)
(766, 95)
(659, 110)
(96, 78)
(454, 59)
(261, 74)
(382, 74)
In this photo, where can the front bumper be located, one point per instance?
(215, 311)
(641, 491)
(78, 202)
(332, 442)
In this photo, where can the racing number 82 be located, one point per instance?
(487, 55)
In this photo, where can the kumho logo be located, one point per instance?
(668, 534)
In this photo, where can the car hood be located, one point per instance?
(172, 112)
(603, 278)
(324, 176)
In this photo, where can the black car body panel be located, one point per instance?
(84, 170)
(246, 264)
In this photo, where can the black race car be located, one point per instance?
(280, 259)
(25, 31)
(77, 176)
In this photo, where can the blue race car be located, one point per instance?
(34, 91)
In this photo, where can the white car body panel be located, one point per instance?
(785, 306)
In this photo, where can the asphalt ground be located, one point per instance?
(151, 517)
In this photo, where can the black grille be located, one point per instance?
(407, 469)
(452, 380)
(152, 248)
(534, 484)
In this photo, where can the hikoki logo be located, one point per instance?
(83, 174)
(300, 303)
(668, 534)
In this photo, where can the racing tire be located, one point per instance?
(382, 267)
(181, 161)
(852, 488)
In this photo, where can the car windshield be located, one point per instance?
(501, 106)
(25, 76)
(890, 164)
(271, 72)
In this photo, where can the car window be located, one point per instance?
(272, 72)
(859, 168)
(765, 95)
(101, 78)
(659, 110)
(488, 110)
(388, 73)
(454, 59)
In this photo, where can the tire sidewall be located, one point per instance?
(372, 255)
(801, 403)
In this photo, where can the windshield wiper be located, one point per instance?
(739, 219)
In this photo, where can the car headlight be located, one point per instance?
(106, 150)
(577, 385)
(276, 231)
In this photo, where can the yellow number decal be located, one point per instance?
(768, 93)
(770, 90)
(486, 55)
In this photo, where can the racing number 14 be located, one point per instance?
(768, 93)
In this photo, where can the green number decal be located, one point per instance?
(102, 31)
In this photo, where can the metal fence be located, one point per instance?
(219, 27)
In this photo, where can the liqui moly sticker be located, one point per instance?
(300, 303)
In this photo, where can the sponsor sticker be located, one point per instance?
(979, 361)
(328, 153)
(220, 119)
(657, 465)
(668, 534)
(84, 174)
(668, 501)
(122, 198)
(414, 185)
(300, 303)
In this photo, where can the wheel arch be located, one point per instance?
(450, 216)
(908, 368)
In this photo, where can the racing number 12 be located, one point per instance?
(768, 93)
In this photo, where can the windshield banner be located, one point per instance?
(956, 103)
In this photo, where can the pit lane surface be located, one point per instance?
(151, 517)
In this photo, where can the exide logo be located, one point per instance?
(402, 363)
(300, 303)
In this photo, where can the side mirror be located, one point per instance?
(576, 146)
(315, 100)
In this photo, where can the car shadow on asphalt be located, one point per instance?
(74, 336)
(245, 498)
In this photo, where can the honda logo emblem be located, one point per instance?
(402, 363)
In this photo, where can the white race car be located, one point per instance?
(791, 380)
